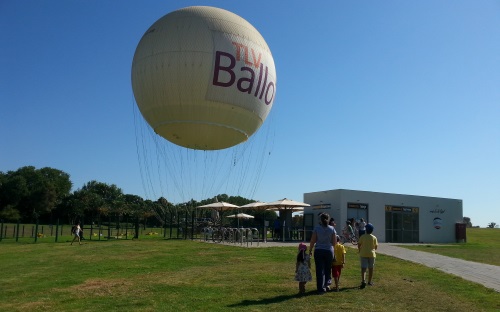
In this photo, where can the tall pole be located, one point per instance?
(57, 229)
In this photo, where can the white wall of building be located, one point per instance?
(436, 216)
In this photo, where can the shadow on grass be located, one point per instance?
(282, 298)
(276, 299)
(348, 288)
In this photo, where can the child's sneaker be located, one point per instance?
(363, 285)
(370, 284)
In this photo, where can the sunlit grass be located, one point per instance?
(184, 275)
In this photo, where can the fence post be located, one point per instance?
(171, 220)
(192, 225)
(179, 227)
(100, 227)
(1, 230)
(36, 230)
(117, 225)
(164, 224)
(136, 236)
(17, 231)
(126, 227)
(186, 225)
(57, 230)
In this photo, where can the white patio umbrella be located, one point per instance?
(241, 216)
(286, 203)
(293, 209)
(218, 207)
(255, 205)
(221, 206)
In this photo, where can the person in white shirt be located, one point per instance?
(76, 233)
(362, 227)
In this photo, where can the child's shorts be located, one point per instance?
(367, 263)
(336, 270)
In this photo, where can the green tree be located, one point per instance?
(9, 214)
(133, 204)
(149, 210)
(33, 192)
(164, 209)
(99, 199)
(72, 207)
(12, 190)
(467, 221)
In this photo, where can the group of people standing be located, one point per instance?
(355, 228)
(329, 256)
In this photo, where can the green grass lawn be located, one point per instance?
(483, 245)
(184, 275)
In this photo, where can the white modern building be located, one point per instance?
(397, 218)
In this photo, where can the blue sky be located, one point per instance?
(386, 96)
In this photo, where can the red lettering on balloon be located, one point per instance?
(246, 55)
(238, 47)
(256, 62)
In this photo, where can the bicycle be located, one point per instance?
(348, 237)
(222, 234)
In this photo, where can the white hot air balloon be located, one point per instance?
(203, 78)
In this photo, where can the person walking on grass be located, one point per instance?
(323, 239)
(75, 230)
(338, 263)
(367, 245)
(303, 268)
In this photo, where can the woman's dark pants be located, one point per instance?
(323, 261)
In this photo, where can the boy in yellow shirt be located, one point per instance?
(338, 263)
(367, 245)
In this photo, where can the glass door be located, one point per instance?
(401, 224)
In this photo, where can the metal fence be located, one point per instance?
(181, 226)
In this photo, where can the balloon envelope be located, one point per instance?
(203, 78)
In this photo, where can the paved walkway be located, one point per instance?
(484, 274)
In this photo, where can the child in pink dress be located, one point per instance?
(303, 268)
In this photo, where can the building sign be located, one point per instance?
(321, 206)
(401, 209)
(357, 206)
(439, 211)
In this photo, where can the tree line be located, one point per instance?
(28, 195)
